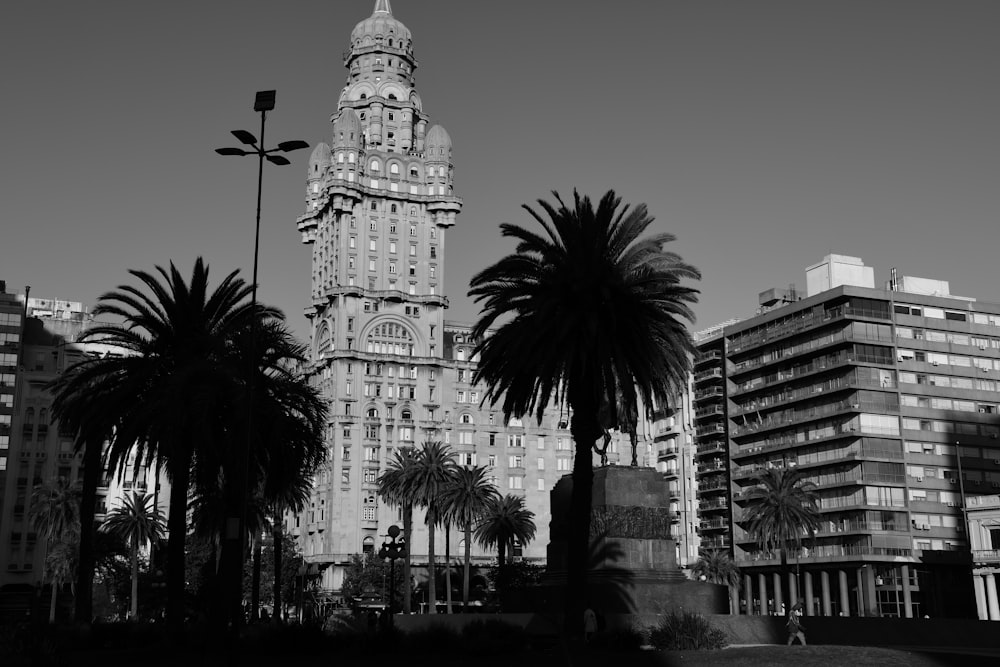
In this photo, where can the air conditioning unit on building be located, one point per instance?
(920, 479)
(953, 480)
(925, 526)
(952, 504)
(996, 462)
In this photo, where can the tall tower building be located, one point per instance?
(380, 201)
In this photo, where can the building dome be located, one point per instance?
(347, 130)
(437, 144)
(320, 159)
(379, 28)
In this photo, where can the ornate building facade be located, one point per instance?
(379, 205)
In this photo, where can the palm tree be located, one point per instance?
(505, 521)
(463, 502)
(164, 393)
(430, 475)
(396, 488)
(780, 510)
(716, 566)
(55, 516)
(593, 317)
(137, 522)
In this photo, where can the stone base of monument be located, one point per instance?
(633, 558)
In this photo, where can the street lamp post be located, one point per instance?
(392, 549)
(236, 527)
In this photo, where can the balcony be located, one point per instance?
(710, 411)
(710, 392)
(717, 542)
(713, 486)
(801, 322)
(707, 467)
(704, 357)
(712, 505)
(986, 556)
(710, 429)
(710, 374)
(713, 524)
(711, 447)
(671, 473)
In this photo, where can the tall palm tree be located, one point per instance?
(464, 501)
(396, 488)
(55, 517)
(137, 522)
(505, 521)
(780, 510)
(430, 475)
(716, 566)
(164, 392)
(593, 317)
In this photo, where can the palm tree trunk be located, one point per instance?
(177, 532)
(52, 603)
(255, 580)
(277, 537)
(431, 565)
(501, 582)
(447, 566)
(585, 429)
(467, 569)
(92, 470)
(134, 609)
(408, 535)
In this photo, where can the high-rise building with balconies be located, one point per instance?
(887, 400)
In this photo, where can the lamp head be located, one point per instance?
(264, 100)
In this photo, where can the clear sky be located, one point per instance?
(763, 134)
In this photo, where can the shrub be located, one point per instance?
(434, 640)
(685, 631)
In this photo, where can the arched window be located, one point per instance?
(392, 208)
(350, 158)
(368, 545)
(390, 338)
(392, 96)
(460, 354)
(372, 413)
(29, 416)
(430, 171)
(390, 41)
(514, 421)
(340, 156)
(374, 165)
(406, 415)
(394, 168)
(466, 418)
(413, 172)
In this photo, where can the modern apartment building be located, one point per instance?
(887, 399)
(380, 202)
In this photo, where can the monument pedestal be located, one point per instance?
(633, 558)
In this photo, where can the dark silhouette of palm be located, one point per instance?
(593, 316)
(715, 566)
(464, 501)
(55, 516)
(780, 510)
(137, 522)
(505, 522)
(396, 488)
(430, 475)
(164, 392)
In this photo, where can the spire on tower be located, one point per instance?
(382, 7)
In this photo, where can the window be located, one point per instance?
(466, 417)
(389, 338)
(371, 475)
(373, 225)
(541, 484)
(562, 445)
(374, 165)
(515, 482)
(392, 269)
(563, 464)
(515, 462)
(413, 230)
(541, 463)
(465, 437)
(515, 440)
(541, 442)
(393, 168)
(352, 242)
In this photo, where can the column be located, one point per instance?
(907, 595)
(981, 610)
(870, 594)
(793, 589)
(748, 587)
(807, 581)
(778, 593)
(762, 585)
(845, 594)
(991, 597)
(824, 592)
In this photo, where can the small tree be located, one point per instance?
(138, 523)
(55, 516)
(716, 566)
(505, 521)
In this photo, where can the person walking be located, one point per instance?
(795, 628)
(589, 623)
